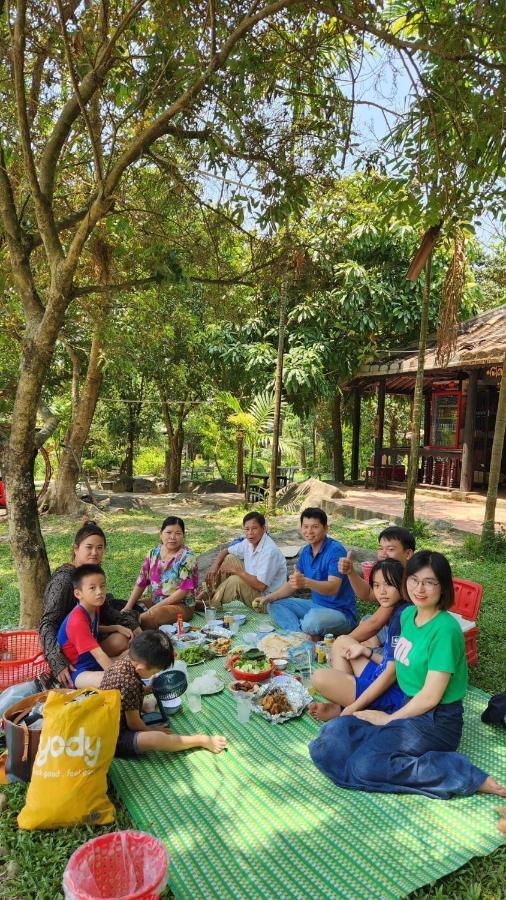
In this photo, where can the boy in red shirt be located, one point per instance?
(78, 635)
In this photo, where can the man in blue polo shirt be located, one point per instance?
(332, 606)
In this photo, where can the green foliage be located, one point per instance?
(422, 530)
(149, 461)
(493, 548)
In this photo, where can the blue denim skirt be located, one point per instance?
(407, 756)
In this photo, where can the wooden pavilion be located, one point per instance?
(460, 407)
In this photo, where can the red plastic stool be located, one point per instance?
(468, 597)
(122, 865)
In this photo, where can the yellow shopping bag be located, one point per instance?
(69, 776)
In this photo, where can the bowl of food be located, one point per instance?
(240, 618)
(280, 664)
(243, 687)
(264, 631)
(220, 646)
(251, 665)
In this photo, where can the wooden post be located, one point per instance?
(337, 438)
(488, 530)
(467, 471)
(355, 440)
(379, 428)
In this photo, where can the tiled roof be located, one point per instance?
(481, 342)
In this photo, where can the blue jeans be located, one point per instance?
(294, 614)
(407, 756)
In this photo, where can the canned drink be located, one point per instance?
(321, 653)
(228, 621)
(328, 640)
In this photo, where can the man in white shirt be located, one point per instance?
(258, 565)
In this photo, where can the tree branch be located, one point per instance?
(171, 169)
(23, 278)
(212, 18)
(42, 209)
(89, 84)
(51, 422)
(149, 280)
(32, 241)
(97, 154)
(161, 125)
(152, 132)
(392, 40)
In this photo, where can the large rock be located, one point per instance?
(186, 487)
(218, 486)
(313, 492)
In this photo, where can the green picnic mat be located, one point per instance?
(261, 821)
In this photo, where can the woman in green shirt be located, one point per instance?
(413, 749)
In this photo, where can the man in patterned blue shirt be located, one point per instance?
(332, 606)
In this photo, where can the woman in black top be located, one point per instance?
(59, 600)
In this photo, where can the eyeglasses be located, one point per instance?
(428, 583)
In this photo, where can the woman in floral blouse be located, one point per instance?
(171, 575)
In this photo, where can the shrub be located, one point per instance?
(150, 461)
(493, 548)
(422, 530)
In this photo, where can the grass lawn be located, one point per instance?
(42, 856)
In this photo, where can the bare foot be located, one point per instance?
(490, 786)
(323, 712)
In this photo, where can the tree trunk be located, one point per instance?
(26, 541)
(62, 499)
(314, 443)
(175, 437)
(240, 461)
(176, 454)
(409, 502)
(303, 458)
(278, 389)
(25, 536)
(130, 449)
(488, 530)
(337, 438)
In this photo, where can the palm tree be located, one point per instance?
(254, 425)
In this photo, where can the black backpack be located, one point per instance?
(495, 713)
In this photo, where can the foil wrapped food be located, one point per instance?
(297, 695)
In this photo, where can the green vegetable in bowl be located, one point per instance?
(252, 666)
(191, 655)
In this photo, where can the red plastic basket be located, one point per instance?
(122, 865)
(25, 657)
